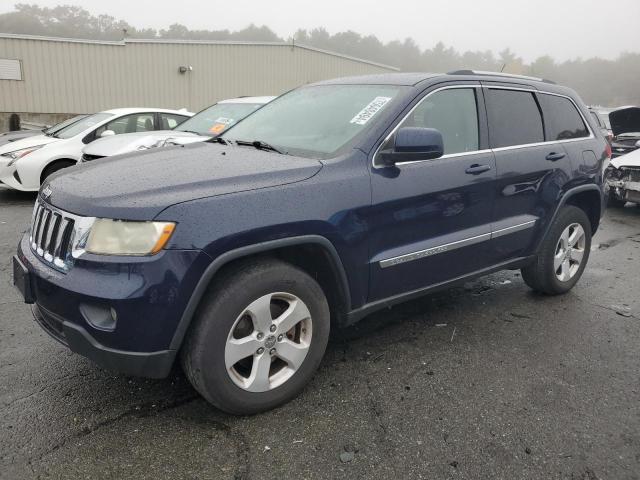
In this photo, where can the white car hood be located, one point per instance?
(131, 142)
(631, 159)
(27, 142)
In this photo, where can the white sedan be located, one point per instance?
(24, 164)
(210, 122)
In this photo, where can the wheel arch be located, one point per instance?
(293, 250)
(586, 197)
(53, 162)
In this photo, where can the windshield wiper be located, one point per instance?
(218, 140)
(191, 131)
(260, 145)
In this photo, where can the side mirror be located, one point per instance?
(107, 133)
(414, 143)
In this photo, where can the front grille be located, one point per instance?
(51, 235)
(87, 158)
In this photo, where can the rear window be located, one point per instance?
(561, 118)
(514, 118)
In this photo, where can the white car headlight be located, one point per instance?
(18, 154)
(120, 237)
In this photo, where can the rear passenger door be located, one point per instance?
(566, 125)
(531, 168)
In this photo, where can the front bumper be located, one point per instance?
(122, 313)
(10, 177)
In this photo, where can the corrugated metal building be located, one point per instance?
(59, 77)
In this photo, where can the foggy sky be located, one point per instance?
(563, 29)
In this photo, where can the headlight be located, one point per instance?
(613, 173)
(18, 154)
(119, 237)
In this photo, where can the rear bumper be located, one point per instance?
(122, 313)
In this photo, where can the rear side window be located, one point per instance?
(597, 119)
(562, 119)
(454, 113)
(169, 120)
(514, 118)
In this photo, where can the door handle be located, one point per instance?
(475, 169)
(554, 156)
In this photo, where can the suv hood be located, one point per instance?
(131, 142)
(141, 185)
(625, 120)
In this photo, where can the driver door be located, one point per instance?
(430, 220)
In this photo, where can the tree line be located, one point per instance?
(599, 81)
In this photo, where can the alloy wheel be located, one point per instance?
(268, 342)
(569, 253)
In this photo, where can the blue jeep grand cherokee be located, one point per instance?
(336, 199)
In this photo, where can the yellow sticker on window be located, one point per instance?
(217, 128)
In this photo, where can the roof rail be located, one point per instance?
(499, 74)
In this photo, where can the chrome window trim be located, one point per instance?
(486, 150)
(546, 142)
(448, 247)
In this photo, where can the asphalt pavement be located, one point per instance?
(484, 381)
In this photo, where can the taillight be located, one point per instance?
(607, 150)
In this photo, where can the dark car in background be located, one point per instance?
(625, 125)
(601, 118)
(337, 199)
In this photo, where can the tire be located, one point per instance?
(54, 167)
(614, 202)
(227, 314)
(544, 275)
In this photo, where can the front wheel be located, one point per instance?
(258, 337)
(563, 255)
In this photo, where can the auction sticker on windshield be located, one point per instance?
(370, 110)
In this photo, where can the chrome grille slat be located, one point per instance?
(52, 235)
(58, 245)
(54, 224)
(44, 224)
(36, 227)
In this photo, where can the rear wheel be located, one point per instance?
(563, 255)
(258, 337)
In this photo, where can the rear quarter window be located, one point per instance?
(514, 118)
(562, 119)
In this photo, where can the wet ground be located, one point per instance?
(485, 381)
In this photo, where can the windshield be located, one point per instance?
(217, 118)
(59, 126)
(316, 121)
(81, 125)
